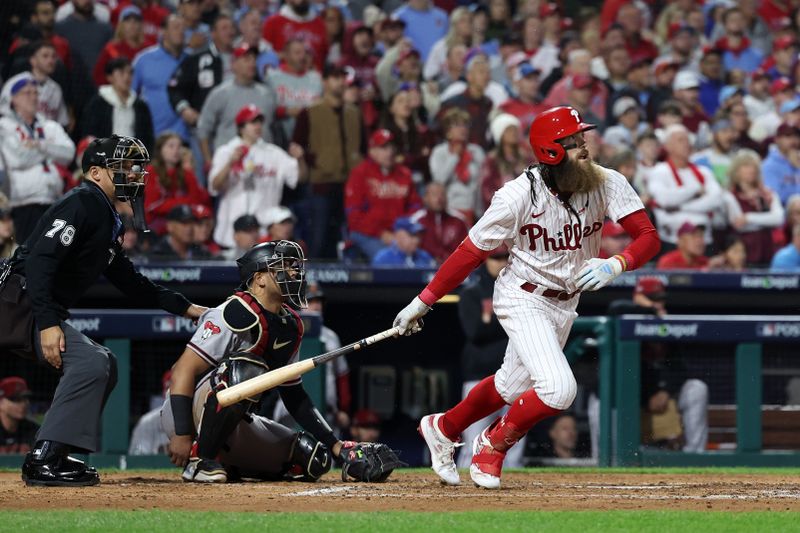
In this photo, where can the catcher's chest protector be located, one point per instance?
(274, 337)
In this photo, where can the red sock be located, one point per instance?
(481, 401)
(525, 412)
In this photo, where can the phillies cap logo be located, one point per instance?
(209, 328)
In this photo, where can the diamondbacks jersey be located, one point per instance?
(273, 337)
(548, 240)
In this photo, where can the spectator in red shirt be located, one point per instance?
(690, 252)
(129, 40)
(357, 53)
(171, 182)
(629, 17)
(527, 104)
(444, 229)
(296, 18)
(43, 17)
(153, 15)
(378, 192)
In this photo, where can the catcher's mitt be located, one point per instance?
(368, 461)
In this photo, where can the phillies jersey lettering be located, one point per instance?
(568, 239)
(551, 238)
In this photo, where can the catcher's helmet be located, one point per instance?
(286, 260)
(552, 125)
(126, 157)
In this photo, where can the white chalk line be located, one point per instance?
(374, 493)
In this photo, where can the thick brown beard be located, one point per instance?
(574, 176)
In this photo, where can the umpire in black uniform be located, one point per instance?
(78, 239)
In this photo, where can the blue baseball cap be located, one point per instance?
(729, 91)
(526, 69)
(790, 105)
(130, 11)
(405, 223)
(21, 84)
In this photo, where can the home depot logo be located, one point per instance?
(666, 331)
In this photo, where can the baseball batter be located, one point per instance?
(551, 218)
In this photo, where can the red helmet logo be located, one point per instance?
(552, 125)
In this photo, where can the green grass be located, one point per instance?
(589, 521)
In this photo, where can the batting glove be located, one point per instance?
(597, 273)
(408, 320)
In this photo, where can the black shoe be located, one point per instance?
(59, 471)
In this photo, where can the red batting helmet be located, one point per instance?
(552, 125)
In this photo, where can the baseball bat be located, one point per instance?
(276, 377)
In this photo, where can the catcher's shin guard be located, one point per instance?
(309, 459)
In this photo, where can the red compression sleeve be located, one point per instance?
(466, 258)
(646, 242)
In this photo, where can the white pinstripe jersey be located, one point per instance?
(547, 242)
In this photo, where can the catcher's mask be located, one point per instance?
(127, 158)
(286, 260)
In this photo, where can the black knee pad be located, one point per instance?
(309, 459)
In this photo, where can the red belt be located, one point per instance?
(549, 293)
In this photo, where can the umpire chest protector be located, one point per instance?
(273, 337)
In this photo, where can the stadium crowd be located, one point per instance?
(378, 131)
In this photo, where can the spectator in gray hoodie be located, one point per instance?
(217, 123)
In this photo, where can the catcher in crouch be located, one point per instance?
(252, 332)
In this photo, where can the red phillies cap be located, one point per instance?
(243, 49)
(548, 9)
(780, 84)
(14, 387)
(380, 138)
(582, 81)
(408, 53)
(201, 211)
(782, 43)
(248, 113)
(648, 286)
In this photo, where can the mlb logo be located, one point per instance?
(766, 330)
(164, 324)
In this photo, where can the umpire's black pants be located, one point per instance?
(88, 375)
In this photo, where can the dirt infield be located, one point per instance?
(416, 491)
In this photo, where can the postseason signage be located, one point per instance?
(222, 272)
(714, 329)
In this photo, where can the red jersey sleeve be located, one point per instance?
(466, 258)
(646, 242)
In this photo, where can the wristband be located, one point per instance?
(182, 414)
(623, 261)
